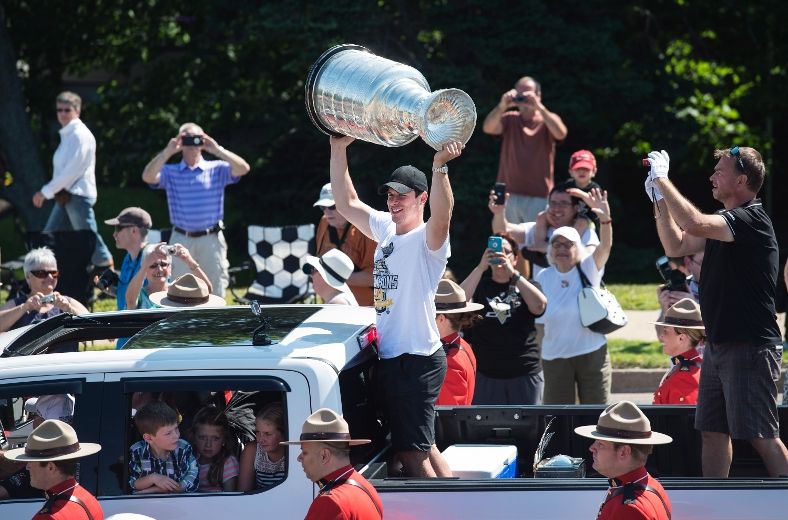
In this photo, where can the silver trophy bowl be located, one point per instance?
(350, 91)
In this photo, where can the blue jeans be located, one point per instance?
(76, 215)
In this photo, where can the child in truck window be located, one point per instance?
(161, 462)
(263, 462)
(215, 446)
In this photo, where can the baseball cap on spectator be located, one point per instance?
(582, 159)
(326, 197)
(132, 217)
(404, 180)
(334, 266)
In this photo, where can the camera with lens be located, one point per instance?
(108, 279)
(171, 250)
(49, 298)
(674, 279)
(519, 98)
(191, 140)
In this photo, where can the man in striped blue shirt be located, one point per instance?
(195, 195)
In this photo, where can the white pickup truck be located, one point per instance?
(310, 357)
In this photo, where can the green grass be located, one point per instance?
(626, 353)
(637, 297)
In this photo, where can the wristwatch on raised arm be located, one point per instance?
(443, 169)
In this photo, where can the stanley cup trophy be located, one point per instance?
(350, 91)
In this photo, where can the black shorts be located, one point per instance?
(738, 390)
(410, 384)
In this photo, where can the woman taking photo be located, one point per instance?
(43, 301)
(575, 360)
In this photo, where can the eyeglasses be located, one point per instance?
(563, 245)
(43, 273)
(121, 227)
(163, 265)
(559, 204)
(735, 152)
(326, 208)
(66, 110)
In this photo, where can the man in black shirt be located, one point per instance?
(738, 385)
(509, 368)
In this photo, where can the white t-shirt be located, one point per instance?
(564, 335)
(406, 275)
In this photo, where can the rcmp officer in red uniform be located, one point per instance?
(622, 442)
(325, 456)
(680, 333)
(51, 452)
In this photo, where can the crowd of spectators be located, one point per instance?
(509, 333)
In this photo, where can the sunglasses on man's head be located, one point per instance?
(43, 273)
(735, 152)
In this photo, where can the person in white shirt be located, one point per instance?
(409, 260)
(73, 184)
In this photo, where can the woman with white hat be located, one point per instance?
(575, 359)
(329, 274)
(50, 453)
(680, 333)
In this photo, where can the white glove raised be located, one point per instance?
(660, 164)
(652, 190)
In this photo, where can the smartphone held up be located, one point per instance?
(500, 193)
(495, 244)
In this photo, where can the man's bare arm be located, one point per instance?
(691, 220)
(151, 173)
(441, 197)
(345, 196)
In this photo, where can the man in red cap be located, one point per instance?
(623, 440)
(325, 456)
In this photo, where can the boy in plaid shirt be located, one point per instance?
(161, 462)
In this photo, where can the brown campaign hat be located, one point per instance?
(132, 217)
(53, 440)
(450, 299)
(684, 314)
(325, 425)
(187, 291)
(623, 422)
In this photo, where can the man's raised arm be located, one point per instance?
(441, 197)
(345, 196)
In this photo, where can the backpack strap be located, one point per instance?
(628, 490)
(49, 504)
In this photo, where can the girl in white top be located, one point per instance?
(565, 339)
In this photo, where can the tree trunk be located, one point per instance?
(16, 141)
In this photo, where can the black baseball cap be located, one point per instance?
(404, 180)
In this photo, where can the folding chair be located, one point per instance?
(277, 255)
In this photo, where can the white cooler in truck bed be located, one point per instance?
(482, 460)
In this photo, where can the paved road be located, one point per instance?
(640, 326)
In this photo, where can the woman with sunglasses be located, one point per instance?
(155, 271)
(43, 301)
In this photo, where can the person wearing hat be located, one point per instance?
(156, 273)
(187, 291)
(410, 259)
(455, 313)
(50, 453)
(335, 232)
(528, 132)
(510, 370)
(325, 457)
(131, 232)
(680, 333)
(623, 440)
(575, 359)
(330, 274)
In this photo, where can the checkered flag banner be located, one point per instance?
(277, 253)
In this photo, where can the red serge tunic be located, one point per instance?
(643, 504)
(460, 382)
(59, 504)
(340, 499)
(680, 385)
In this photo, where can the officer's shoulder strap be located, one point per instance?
(628, 490)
